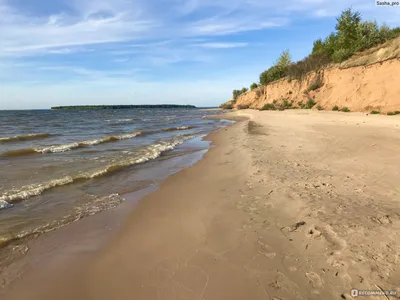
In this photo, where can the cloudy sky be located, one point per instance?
(69, 52)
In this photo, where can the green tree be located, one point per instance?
(253, 86)
(330, 44)
(318, 47)
(284, 60)
(368, 35)
(347, 27)
(235, 94)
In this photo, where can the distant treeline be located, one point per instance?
(86, 107)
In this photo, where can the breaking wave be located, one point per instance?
(83, 144)
(146, 154)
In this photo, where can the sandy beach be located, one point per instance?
(296, 204)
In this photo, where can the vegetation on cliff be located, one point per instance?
(351, 36)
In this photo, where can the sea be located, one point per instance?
(59, 166)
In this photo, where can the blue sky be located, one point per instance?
(71, 52)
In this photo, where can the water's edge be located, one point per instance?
(91, 232)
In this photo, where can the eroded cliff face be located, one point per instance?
(362, 88)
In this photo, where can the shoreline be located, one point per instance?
(282, 206)
(86, 236)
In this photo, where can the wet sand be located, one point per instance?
(288, 205)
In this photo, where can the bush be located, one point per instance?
(278, 70)
(237, 93)
(253, 86)
(313, 87)
(268, 106)
(319, 107)
(310, 103)
(313, 62)
(272, 74)
(375, 112)
(290, 92)
(301, 104)
(393, 113)
(345, 109)
(241, 106)
(286, 104)
(341, 55)
(335, 108)
(226, 106)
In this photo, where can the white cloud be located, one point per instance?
(93, 22)
(221, 45)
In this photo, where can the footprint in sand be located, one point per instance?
(315, 280)
(265, 250)
(313, 232)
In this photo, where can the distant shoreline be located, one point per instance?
(87, 107)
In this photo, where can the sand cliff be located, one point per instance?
(368, 81)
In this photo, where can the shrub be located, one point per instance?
(393, 113)
(310, 103)
(341, 55)
(242, 106)
(253, 86)
(268, 106)
(290, 92)
(335, 108)
(313, 62)
(301, 104)
(313, 87)
(345, 109)
(375, 112)
(286, 104)
(226, 106)
(237, 93)
(272, 74)
(278, 70)
(319, 107)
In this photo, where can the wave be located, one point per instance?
(32, 136)
(83, 144)
(4, 204)
(146, 154)
(122, 121)
(94, 205)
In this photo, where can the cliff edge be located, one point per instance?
(368, 81)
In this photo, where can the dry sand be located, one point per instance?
(289, 205)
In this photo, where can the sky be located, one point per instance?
(77, 52)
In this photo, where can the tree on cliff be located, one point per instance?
(278, 70)
(347, 27)
(253, 86)
(237, 93)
